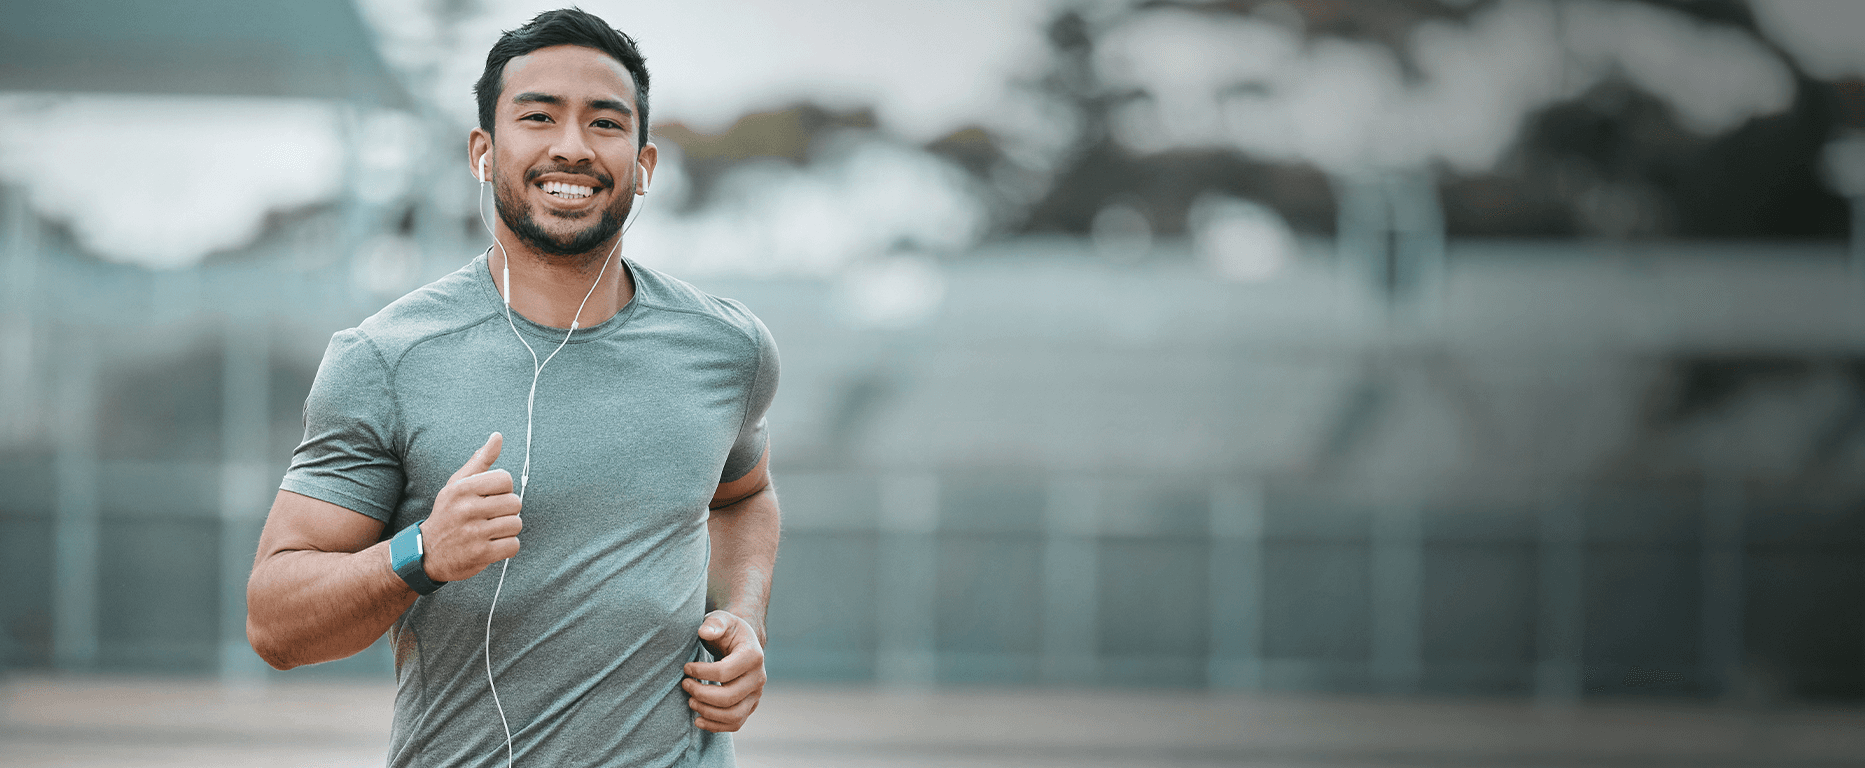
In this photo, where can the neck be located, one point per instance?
(548, 290)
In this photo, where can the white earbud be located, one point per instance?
(482, 169)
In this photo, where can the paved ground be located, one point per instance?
(93, 722)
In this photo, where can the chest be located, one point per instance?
(636, 427)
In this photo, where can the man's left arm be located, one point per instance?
(743, 527)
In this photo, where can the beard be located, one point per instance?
(522, 220)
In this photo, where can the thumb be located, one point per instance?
(482, 459)
(717, 630)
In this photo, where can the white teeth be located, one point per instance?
(561, 189)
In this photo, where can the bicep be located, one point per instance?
(302, 523)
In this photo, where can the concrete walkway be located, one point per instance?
(86, 722)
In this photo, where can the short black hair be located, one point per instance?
(567, 26)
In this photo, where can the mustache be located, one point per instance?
(602, 179)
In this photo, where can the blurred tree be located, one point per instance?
(793, 134)
(1096, 171)
(1612, 161)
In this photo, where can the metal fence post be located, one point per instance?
(1722, 555)
(1236, 659)
(75, 524)
(245, 410)
(1070, 593)
(908, 579)
(1397, 595)
(1561, 619)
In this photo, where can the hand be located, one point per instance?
(475, 520)
(739, 672)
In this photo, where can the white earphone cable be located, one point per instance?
(537, 371)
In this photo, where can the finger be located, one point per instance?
(502, 527)
(732, 718)
(715, 671)
(492, 482)
(715, 726)
(715, 627)
(723, 632)
(482, 459)
(712, 632)
(472, 511)
(722, 720)
(746, 686)
(718, 695)
(723, 673)
(740, 660)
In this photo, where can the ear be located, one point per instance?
(650, 155)
(479, 147)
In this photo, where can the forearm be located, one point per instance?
(744, 551)
(305, 607)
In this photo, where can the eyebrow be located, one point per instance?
(534, 97)
(611, 104)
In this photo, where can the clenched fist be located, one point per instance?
(475, 519)
(736, 679)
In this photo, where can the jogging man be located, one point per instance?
(545, 475)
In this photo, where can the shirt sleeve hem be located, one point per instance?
(729, 473)
(348, 501)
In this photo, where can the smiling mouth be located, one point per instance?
(567, 191)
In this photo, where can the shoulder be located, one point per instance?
(445, 306)
(662, 292)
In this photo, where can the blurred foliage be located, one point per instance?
(1612, 162)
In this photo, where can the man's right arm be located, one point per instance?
(323, 587)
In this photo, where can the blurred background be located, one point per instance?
(1194, 371)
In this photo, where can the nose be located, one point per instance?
(571, 147)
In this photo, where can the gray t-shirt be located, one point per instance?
(637, 422)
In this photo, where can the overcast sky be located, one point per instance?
(927, 66)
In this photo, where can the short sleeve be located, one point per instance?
(348, 456)
(749, 446)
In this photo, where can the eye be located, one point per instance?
(537, 116)
(607, 123)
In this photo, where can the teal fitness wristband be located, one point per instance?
(408, 557)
